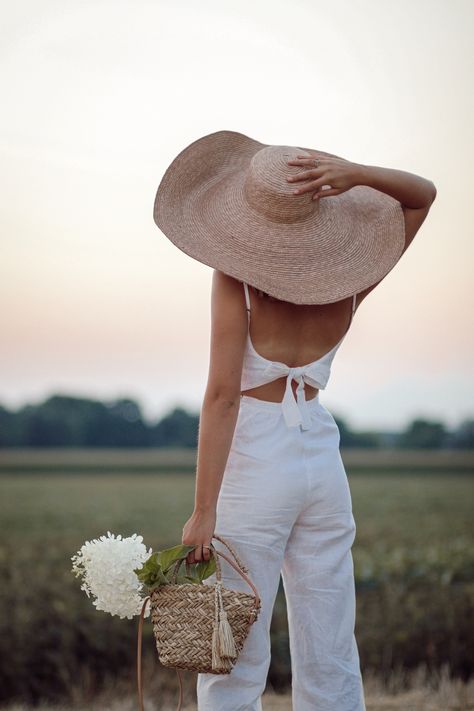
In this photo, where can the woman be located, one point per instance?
(270, 477)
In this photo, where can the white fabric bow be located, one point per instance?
(295, 410)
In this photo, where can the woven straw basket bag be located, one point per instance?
(199, 627)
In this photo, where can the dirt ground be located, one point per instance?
(449, 696)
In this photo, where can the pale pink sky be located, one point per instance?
(98, 98)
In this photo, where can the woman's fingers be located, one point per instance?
(201, 552)
(304, 160)
(305, 174)
(328, 172)
(325, 193)
(315, 186)
(204, 551)
(311, 186)
(308, 159)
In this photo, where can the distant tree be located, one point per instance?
(423, 434)
(64, 420)
(349, 438)
(125, 425)
(463, 436)
(10, 435)
(177, 429)
(72, 421)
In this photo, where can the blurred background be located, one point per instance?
(105, 324)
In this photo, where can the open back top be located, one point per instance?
(258, 370)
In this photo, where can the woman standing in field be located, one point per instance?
(292, 263)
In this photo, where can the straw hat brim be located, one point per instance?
(347, 243)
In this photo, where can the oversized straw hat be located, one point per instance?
(225, 200)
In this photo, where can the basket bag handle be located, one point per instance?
(240, 568)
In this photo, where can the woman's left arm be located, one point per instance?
(219, 410)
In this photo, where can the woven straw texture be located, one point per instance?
(182, 618)
(225, 201)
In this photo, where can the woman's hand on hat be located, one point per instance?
(339, 174)
(198, 530)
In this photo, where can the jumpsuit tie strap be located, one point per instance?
(295, 410)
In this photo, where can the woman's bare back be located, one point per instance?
(298, 334)
(294, 334)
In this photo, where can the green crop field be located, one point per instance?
(413, 555)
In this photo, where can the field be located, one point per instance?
(413, 555)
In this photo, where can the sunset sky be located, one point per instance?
(97, 99)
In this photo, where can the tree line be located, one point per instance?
(69, 421)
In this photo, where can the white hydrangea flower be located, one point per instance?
(106, 566)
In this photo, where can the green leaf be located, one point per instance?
(205, 568)
(156, 570)
(151, 563)
(150, 578)
(151, 572)
(180, 579)
(171, 555)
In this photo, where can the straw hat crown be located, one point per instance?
(267, 190)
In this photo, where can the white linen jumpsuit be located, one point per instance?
(285, 503)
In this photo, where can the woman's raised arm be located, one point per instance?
(409, 189)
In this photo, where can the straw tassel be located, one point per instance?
(226, 639)
(223, 644)
(218, 662)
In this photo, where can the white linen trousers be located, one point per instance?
(285, 503)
